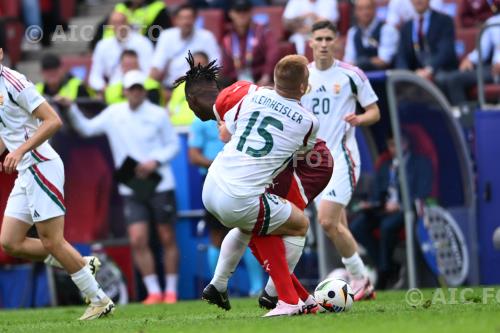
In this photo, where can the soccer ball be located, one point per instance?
(334, 295)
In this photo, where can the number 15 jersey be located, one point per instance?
(267, 130)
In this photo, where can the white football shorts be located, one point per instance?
(260, 215)
(38, 193)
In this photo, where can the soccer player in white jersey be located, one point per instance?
(267, 127)
(334, 89)
(26, 123)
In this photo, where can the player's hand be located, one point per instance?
(11, 161)
(143, 170)
(224, 134)
(63, 101)
(353, 119)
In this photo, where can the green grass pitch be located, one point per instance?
(389, 313)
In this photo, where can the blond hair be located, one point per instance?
(291, 72)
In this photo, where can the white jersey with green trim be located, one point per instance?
(18, 99)
(332, 95)
(267, 130)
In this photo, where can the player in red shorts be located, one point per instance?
(300, 181)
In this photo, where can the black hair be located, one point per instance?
(128, 52)
(50, 61)
(198, 73)
(186, 6)
(324, 24)
(201, 54)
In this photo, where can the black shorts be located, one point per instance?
(161, 208)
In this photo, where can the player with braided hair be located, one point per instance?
(238, 191)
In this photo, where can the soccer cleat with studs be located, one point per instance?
(267, 301)
(99, 310)
(213, 296)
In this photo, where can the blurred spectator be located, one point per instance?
(371, 44)
(427, 43)
(249, 51)
(106, 58)
(384, 210)
(140, 130)
(180, 113)
(204, 145)
(300, 15)
(223, 4)
(114, 92)
(149, 17)
(58, 82)
(473, 13)
(401, 11)
(169, 61)
(459, 82)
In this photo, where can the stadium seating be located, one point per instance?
(465, 41)
(213, 20)
(271, 16)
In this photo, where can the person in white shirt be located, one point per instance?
(371, 44)
(400, 11)
(458, 82)
(142, 131)
(169, 60)
(335, 88)
(300, 15)
(27, 122)
(106, 57)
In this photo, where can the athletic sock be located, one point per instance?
(212, 257)
(301, 290)
(272, 251)
(254, 270)
(294, 246)
(355, 266)
(88, 285)
(232, 249)
(151, 283)
(171, 283)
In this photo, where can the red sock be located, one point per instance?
(272, 252)
(255, 251)
(301, 290)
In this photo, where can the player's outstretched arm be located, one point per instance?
(369, 117)
(50, 124)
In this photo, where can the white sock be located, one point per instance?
(232, 249)
(88, 285)
(294, 245)
(151, 283)
(171, 283)
(355, 266)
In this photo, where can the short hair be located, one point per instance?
(199, 74)
(185, 6)
(324, 24)
(50, 61)
(130, 53)
(290, 72)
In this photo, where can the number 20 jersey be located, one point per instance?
(332, 95)
(267, 130)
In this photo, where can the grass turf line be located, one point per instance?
(389, 313)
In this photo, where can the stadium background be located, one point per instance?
(453, 151)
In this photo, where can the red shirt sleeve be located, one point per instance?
(229, 97)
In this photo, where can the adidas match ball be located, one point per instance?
(334, 295)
